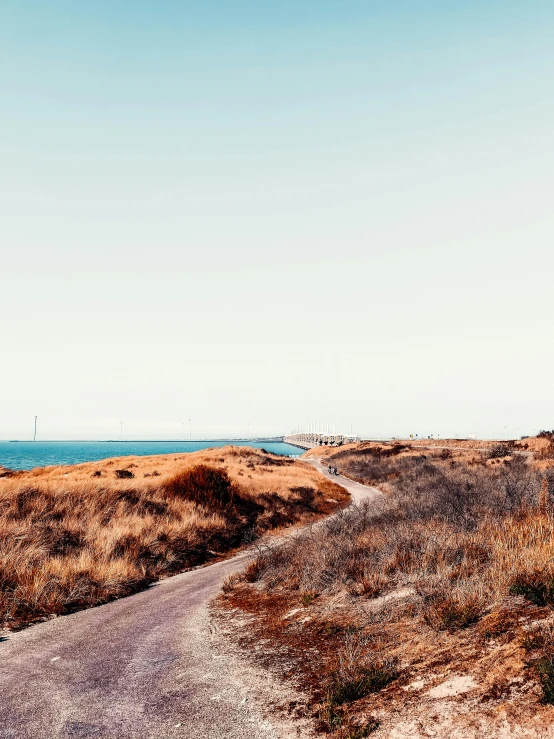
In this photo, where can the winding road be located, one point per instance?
(150, 666)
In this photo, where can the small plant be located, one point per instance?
(532, 640)
(334, 719)
(124, 474)
(330, 717)
(540, 640)
(539, 637)
(546, 452)
(545, 671)
(453, 611)
(230, 583)
(254, 571)
(498, 451)
(359, 671)
(361, 682)
(96, 473)
(373, 584)
(360, 732)
(333, 629)
(537, 587)
(308, 597)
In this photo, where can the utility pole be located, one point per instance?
(35, 435)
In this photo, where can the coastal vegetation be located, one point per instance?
(77, 536)
(446, 580)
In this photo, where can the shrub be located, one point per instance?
(537, 587)
(254, 571)
(541, 641)
(308, 598)
(359, 671)
(361, 681)
(360, 732)
(230, 583)
(498, 451)
(457, 609)
(518, 485)
(546, 452)
(539, 637)
(373, 584)
(545, 670)
(124, 474)
(204, 485)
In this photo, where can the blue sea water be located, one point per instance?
(24, 455)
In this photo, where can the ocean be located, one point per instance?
(24, 455)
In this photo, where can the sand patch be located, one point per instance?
(455, 686)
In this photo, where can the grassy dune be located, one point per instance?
(451, 573)
(77, 536)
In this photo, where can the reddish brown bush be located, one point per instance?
(204, 485)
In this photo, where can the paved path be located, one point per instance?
(149, 667)
(358, 491)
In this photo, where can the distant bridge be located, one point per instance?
(311, 439)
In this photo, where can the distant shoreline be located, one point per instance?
(272, 439)
(27, 454)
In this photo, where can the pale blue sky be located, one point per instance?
(265, 213)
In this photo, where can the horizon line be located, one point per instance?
(144, 441)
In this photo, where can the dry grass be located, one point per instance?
(459, 554)
(72, 537)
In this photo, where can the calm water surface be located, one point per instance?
(23, 455)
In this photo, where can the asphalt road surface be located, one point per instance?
(150, 666)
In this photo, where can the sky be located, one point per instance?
(257, 215)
